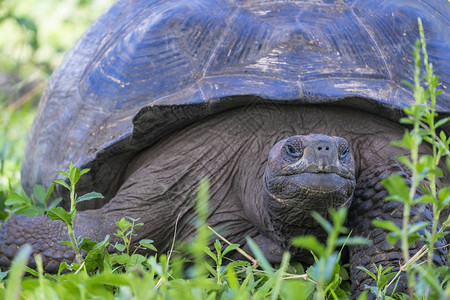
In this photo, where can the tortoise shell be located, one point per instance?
(147, 68)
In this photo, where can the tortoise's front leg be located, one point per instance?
(369, 204)
(45, 235)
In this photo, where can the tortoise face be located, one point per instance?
(305, 173)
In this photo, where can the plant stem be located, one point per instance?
(414, 151)
(72, 198)
(70, 227)
(254, 261)
(431, 124)
(74, 243)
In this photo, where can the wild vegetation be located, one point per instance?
(35, 36)
(201, 272)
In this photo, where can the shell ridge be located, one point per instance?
(219, 42)
(283, 56)
(377, 47)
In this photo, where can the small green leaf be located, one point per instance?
(11, 202)
(210, 253)
(121, 224)
(397, 187)
(428, 139)
(102, 244)
(351, 241)
(65, 173)
(14, 195)
(325, 268)
(339, 216)
(417, 226)
(87, 244)
(66, 243)
(136, 259)
(89, 196)
(427, 198)
(435, 171)
(84, 171)
(310, 242)
(412, 238)
(440, 234)
(430, 277)
(49, 191)
(387, 225)
(406, 121)
(384, 271)
(122, 258)
(392, 238)
(230, 248)
(58, 213)
(385, 279)
(30, 211)
(63, 183)
(444, 196)
(260, 256)
(363, 295)
(426, 161)
(343, 274)
(367, 272)
(405, 160)
(39, 193)
(31, 271)
(146, 243)
(210, 269)
(54, 203)
(322, 221)
(408, 141)
(74, 175)
(218, 247)
(119, 247)
(133, 219)
(442, 134)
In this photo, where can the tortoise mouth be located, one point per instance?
(329, 188)
(318, 182)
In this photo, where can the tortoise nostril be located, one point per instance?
(327, 148)
(320, 148)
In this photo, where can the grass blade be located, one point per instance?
(16, 272)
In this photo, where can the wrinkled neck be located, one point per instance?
(288, 221)
(288, 205)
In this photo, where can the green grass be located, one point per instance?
(35, 36)
(202, 272)
(14, 125)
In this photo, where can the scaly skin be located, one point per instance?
(368, 205)
(42, 234)
(290, 202)
(281, 212)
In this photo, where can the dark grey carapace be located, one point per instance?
(159, 94)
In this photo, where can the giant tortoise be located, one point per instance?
(286, 106)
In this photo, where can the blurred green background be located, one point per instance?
(34, 36)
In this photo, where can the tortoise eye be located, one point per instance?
(292, 150)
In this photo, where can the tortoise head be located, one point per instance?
(305, 173)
